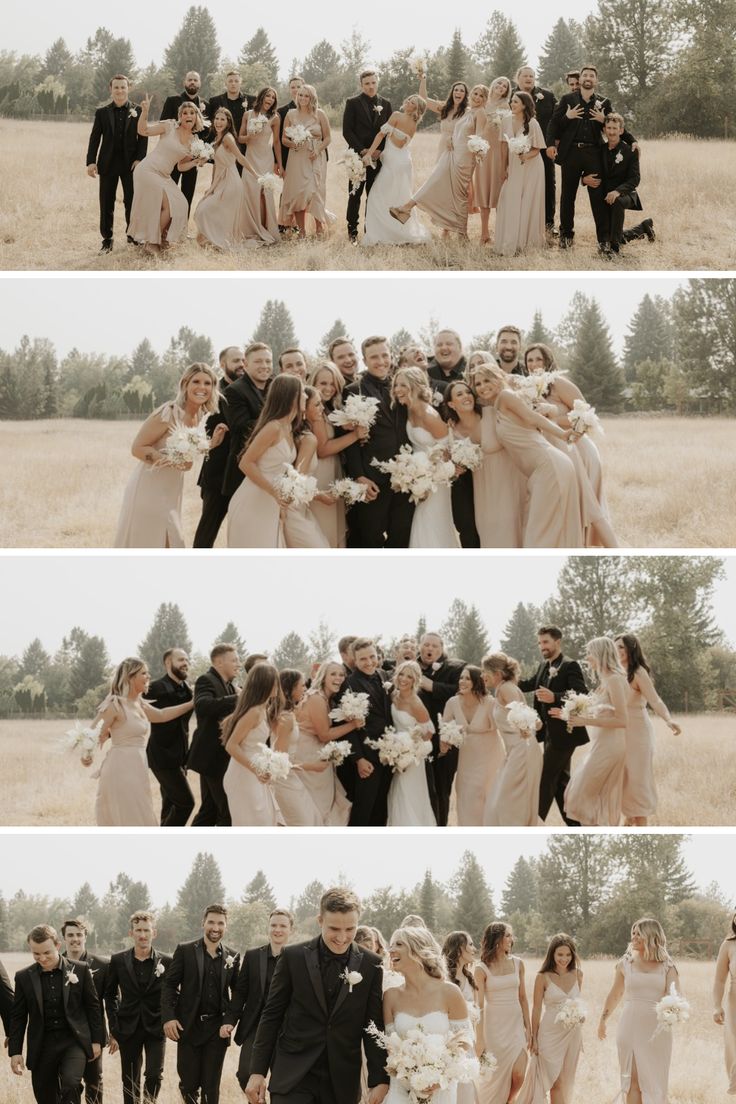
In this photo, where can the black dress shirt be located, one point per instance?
(211, 1002)
(52, 984)
(332, 967)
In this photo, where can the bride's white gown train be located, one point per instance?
(434, 1023)
(408, 795)
(432, 525)
(393, 187)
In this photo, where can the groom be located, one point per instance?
(362, 119)
(323, 996)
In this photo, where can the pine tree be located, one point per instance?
(650, 335)
(428, 894)
(259, 51)
(398, 340)
(560, 53)
(458, 60)
(705, 317)
(259, 889)
(194, 46)
(85, 902)
(453, 624)
(592, 364)
(354, 51)
(520, 893)
(50, 401)
(321, 62)
(169, 630)
(658, 862)
(575, 875)
(203, 886)
(539, 332)
(421, 627)
(35, 660)
(473, 901)
(510, 54)
(308, 901)
(595, 596)
(472, 641)
(292, 652)
(632, 42)
(4, 925)
(386, 908)
(520, 635)
(486, 46)
(322, 642)
(9, 397)
(90, 664)
(230, 635)
(117, 57)
(275, 327)
(337, 329)
(56, 60)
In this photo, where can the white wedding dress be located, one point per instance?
(393, 187)
(408, 796)
(432, 525)
(434, 1023)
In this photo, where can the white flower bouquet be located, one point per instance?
(584, 419)
(520, 144)
(298, 134)
(671, 1011)
(452, 733)
(478, 147)
(198, 149)
(488, 1063)
(572, 1013)
(352, 707)
(256, 124)
(575, 704)
(417, 474)
(349, 490)
(418, 65)
(401, 750)
(270, 182)
(536, 385)
(465, 453)
(82, 738)
(269, 763)
(185, 445)
(522, 717)
(424, 1061)
(358, 410)
(497, 118)
(298, 489)
(335, 752)
(356, 170)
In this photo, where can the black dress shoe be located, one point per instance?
(604, 250)
(106, 246)
(648, 226)
(565, 243)
(130, 241)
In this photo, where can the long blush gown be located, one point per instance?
(408, 795)
(331, 519)
(520, 212)
(444, 195)
(301, 528)
(480, 759)
(499, 491)
(124, 784)
(251, 802)
(151, 181)
(560, 1048)
(392, 188)
(217, 215)
(488, 174)
(595, 792)
(258, 219)
(325, 787)
(640, 792)
(514, 797)
(729, 1027)
(635, 1036)
(254, 516)
(305, 181)
(503, 1029)
(150, 515)
(292, 796)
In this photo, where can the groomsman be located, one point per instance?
(62, 1018)
(363, 117)
(6, 1001)
(448, 363)
(212, 472)
(215, 695)
(115, 148)
(345, 648)
(197, 988)
(544, 104)
(341, 352)
(440, 678)
(133, 1003)
(252, 988)
(292, 362)
(245, 399)
(294, 85)
(616, 186)
(168, 743)
(508, 351)
(367, 778)
(236, 102)
(170, 110)
(554, 677)
(74, 933)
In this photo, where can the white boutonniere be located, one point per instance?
(160, 969)
(132, 113)
(71, 978)
(599, 105)
(539, 96)
(378, 109)
(553, 672)
(388, 687)
(229, 962)
(436, 665)
(618, 158)
(437, 398)
(351, 978)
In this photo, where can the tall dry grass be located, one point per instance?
(669, 482)
(697, 1074)
(695, 775)
(50, 218)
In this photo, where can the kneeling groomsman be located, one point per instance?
(74, 933)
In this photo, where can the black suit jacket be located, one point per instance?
(283, 112)
(361, 124)
(181, 988)
(128, 1005)
(81, 1008)
(441, 381)
(249, 994)
(237, 108)
(296, 1027)
(214, 700)
(544, 106)
(620, 175)
(379, 714)
(569, 677)
(387, 435)
(169, 740)
(212, 472)
(98, 968)
(244, 404)
(562, 130)
(444, 686)
(6, 999)
(170, 110)
(101, 148)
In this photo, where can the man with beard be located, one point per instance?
(245, 399)
(215, 695)
(195, 994)
(440, 678)
(115, 137)
(448, 363)
(235, 101)
(572, 80)
(74, 933)
(544, 105)
(341, 352)
(508, 351)
(168, 743)
(170, 110)
(214, 502)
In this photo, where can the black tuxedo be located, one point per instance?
(559, 744)
(133, 1003)
(360, 125)
(6, 999)
(170, 110)
(305, 1042)
(211, 475)
(385, 522)
(214, 699)
(115, 145)
(619, 172)
(444, 681)
(544, 108)
(237, 109)
(244, 404)
(56, 1055)
(368, 795)
(247, 1004)
(98, 968)
(166, 752)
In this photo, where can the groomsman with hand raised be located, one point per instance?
(74, 933)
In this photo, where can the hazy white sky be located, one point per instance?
(293, 29)
(115, 596)
(74, 311)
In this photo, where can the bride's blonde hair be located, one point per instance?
(416, 380)
(409, 667)
(424, 949)
(421, 105)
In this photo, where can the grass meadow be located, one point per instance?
(50, 218)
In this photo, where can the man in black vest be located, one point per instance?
(363, 117)
(251, 990)
(245, 401)
(212, 473)
(440, 678)
(115, 148)
(544, 104)
(170, 110)
(74, 933)
(508, 351)
(553, 678)
(196, 992)
(133, 1002)
(168, 744)
(215, 695)
(616, 186)
(56, 1004)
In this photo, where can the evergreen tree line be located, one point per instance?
(668, 601)
(591, 887)
(679, 357)
(668, 64)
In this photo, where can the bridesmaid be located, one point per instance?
(259, 132)
(218, 212)
(463, 415)
(499, 485)
(301, 528)
(292, 796)
(124, 786)
(595, 792)
(249, 793)
(642, 977)
(160, 214)
(316, 730)
(514, 798)
(556, 1048)
(459, 953)
(488, 175)
(726, 968)
(449, 110)
(305, 179)
(150, 516)
(640, 791)
(520, 215)
(504, 1014)
(482, 754)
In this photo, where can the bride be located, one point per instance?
(426, 998)
(408, 795)
(394, 185)
(432, 525)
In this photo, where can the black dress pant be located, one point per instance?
(554, 780)
(612, 223)
(214, 512)
(370, 799)
(353, 212)
(383, 523)
(315, 1088)
(93, 1081)
(550, 189)
(214, 811)
(578, 163)
(118, 172)
(200, 1070)
(131, 1062)
(57, 1074)
(177, 799)
(463, 510)
(188, 184)
(444, 768)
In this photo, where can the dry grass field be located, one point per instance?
(669, 482)
(695, 775)
(697, 1074)
(49, 219)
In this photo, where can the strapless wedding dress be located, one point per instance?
(432, 525)
(434, 1023)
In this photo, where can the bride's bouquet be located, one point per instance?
(185, 445)
(267, 762)
(335, 752)
(270, 182)
(417, 474)
(298, 134)
(256, 124)
(83, 738)
(198, 148)
(452, 733)
(522, 143)
(572, 1013)
(523, 718)
(352, 707)
(424, 1061)
(358, 410)
(575, 704)
(671, 1010)
(584, 419)
(298, 489)
(356, 170)
(349, 490)
(465, 453)
(535, 387)
(401, 750)
(478, 147)
(418, 65)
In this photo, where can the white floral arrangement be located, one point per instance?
(71, 977)
(185, 445)
(536, 385)
(256, 124)
(437, 399)
(353, 706)
(575, 704)
(416, 474)
(488, 1063)
(584, 419)
(351, 978)
(298, 134)
(520, 144)
(401, 750)
(229, 962)
(199, 149)
(466, 454)
(356, 169)
(270, 765)
(298, 489)
(452, 733)
(572, 1013)
(335, 752)
(671, 1011)
(478, 147)
(522, 717)
(83, 738)
(358, 410)
(349, 490)
(423, 1061)
(270, 183)
(418, 64)
(497, 118)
